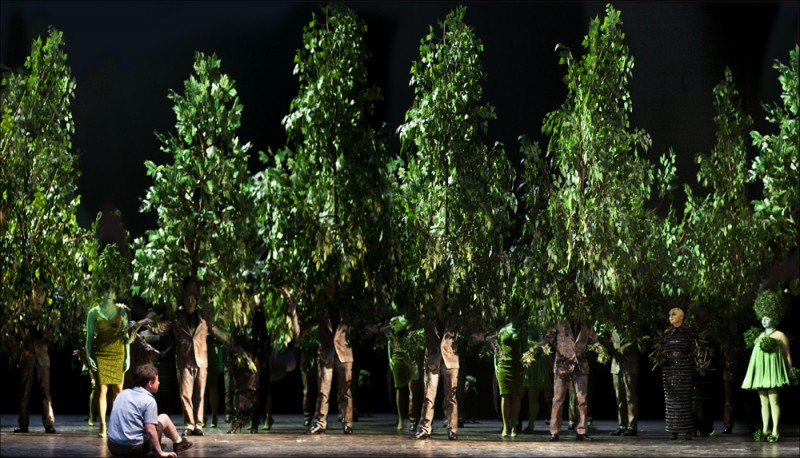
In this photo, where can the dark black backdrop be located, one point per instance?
(125, 56)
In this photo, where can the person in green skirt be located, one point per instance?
(405, 372)
(770, 363)
(509, 373)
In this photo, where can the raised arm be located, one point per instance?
(90, 321)
(125, 340)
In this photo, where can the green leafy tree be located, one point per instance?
(724, 247)
(41, 244)
(206, 220)
(601, 182)
(532, 279)
(456, 193)
(322, 203)
(777, 166)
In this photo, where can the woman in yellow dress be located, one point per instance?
(107, 350)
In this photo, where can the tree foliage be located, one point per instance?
(724, 247)
(41, 243)
(532, 281)
(601, 182)
(322, 203)
(456, 193)
(206, 223)
(777, 166)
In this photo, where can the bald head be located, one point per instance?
(676, 317)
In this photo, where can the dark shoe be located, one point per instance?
(618, 432)
(727, 430)
(21, 429)
(213, 425)
(583, 437)
(591, 427)
(547, 422)
(422, 436)
(571, 427)
(528, 430)
(253, 430)
(412, 427)
(306, 423)
(553, 438)
(235, 426)
(198, 431)
(315, 430)
(49, 429)
(452, 436)
(182, 446)
(188, 432)
(227, 418)
(340, 418)
(629, 432)
(347, 429)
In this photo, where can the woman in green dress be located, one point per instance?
(509, 372)
(770, 363)
(107, 352)
(405, 371)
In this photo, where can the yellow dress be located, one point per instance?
(108, 350)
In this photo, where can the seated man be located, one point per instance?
(135, 428)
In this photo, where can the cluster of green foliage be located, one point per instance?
(777, 166)
(322, 204)
(109, 272)
(206, 220)
(600, 182)
(41, 244)
(770, 303)
(333, 222)
(722, 253)
(455, 193)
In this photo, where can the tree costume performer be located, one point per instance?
(108, 351)
(509, 373)
(770, 363)
(624, 350)
(191, 328)
(571, 366)
(246, 365)
(35, 359)
(538, 378)
(441, 357)
(405, 372)
(680, 350)
(334, 354)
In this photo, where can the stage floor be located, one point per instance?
(376, 436)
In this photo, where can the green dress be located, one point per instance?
(509, 365)
(404, 368)
(766, 370)
(108, 350)
(539, 375)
